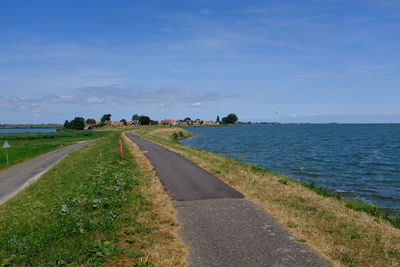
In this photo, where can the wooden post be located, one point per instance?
(121, 149)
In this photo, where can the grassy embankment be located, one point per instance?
(91, 209)
(345, 232)
(28, 145)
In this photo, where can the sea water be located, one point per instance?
(361, 161)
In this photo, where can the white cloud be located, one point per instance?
(164, 97)
(22, 104)
(106, 90)
(94, 100)
(36, 112)
(196, 104)
(113, 96)
(62, 99)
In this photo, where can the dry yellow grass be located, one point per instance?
(167, 249)
(326, 225)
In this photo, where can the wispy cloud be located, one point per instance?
(196, 104)
(108, 90)
(190, 57)
(22, 104)
(164, 97)
(114, 96)
(212, 42)
(257, 10)
(138, 9)
(94, 100)
(62, 99)
(35, 50)
(206, 12)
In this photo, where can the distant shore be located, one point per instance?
(29, 126)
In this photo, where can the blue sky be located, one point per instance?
(312, 61)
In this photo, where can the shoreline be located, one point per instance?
(341, 230)
(367, 206)
(373, 210)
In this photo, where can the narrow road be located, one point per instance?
(219, 226)
(18, 177)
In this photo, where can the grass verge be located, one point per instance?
(342, 231)
(28, 145)
(87, 210)
(169, 250)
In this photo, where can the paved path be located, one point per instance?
(219, 226)
(18, 177)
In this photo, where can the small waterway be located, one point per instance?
(361, 161)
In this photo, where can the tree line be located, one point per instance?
(79, 123)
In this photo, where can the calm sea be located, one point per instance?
(362, 161)
(28, 130)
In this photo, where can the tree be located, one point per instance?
(144, 120)
(188, 120)
(153, 122)
(90, 121)
(124, 121)
(106, 117)
(66, 124)
(230, 119)
(218, 119)
(136, 117)
(77, 124)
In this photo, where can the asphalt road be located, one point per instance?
(219, 226)
(18, 177)
(181, 178)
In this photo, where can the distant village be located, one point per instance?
(166, 122)
(79, 123)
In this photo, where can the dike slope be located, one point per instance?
(220, 227)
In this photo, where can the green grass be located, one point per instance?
(349, 203)
(46, 135)
(28, 145)
(77, 212)
(29, 126)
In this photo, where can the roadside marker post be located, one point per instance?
(6, 146)
(121, 150)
